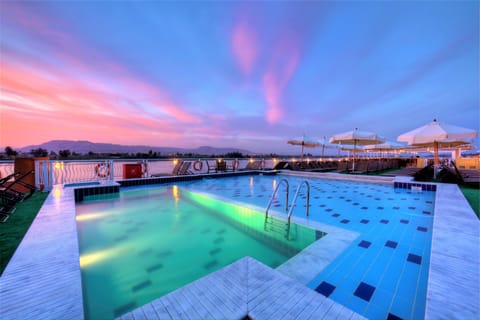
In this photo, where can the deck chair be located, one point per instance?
(223, 166)
(5, 212)
(185, 168)
(280, 165)
(211, 166)
(361, 167)
(17, 190)
(14, 175)
(177, 167)
(342, 166)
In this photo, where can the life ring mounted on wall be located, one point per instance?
(102, 170)
(198, 165)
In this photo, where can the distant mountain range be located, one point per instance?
(84, 147)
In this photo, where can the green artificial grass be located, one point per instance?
(14, 229)
(473, 197)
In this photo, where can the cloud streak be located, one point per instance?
(280, 70)
(244, 46)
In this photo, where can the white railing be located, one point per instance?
(6, 168)
(51, 172)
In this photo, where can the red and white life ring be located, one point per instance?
(235, 164)
(102, 170)
(198, 165)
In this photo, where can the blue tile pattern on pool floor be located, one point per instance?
(364, 244)
(325, 288)
(364, 291)
(391, 244)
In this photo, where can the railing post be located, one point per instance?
(50, 175)
(112, 170)
(147, 169)
(46, 175)
(37, 174)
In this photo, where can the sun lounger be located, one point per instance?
(211, 166)
(361, 167)
(185, 168)
(281, 165)
(342, 166)
(10, 177)
(15, 191)
(5, 212)
(220, 166)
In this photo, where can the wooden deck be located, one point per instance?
(244, 288)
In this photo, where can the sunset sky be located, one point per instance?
(233, 74)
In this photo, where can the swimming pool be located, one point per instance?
(384, 273)
(145, 242)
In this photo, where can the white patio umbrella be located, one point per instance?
(305, 142)
(385, 147)
(357, 138)
(438, 135)
(327, 145)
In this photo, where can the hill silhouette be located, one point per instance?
(84, 147)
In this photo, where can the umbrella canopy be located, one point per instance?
(357, 138)
(305, 142)
(386, 146)
(438, 135)
(444, 134)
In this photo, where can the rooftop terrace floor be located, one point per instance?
(43, 280)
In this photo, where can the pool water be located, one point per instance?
(143, 243)
(384, 273)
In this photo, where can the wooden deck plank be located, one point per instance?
(299, 307)
(290, 302)
(197, 303)
(228, 301)
(206, 298)
(160, 309)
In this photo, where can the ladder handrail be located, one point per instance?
(295, 200)
(273, 196)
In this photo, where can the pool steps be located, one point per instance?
(292, 205)
(273, 223)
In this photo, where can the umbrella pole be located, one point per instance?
(354, 150)
(302, 152)
(435, 159)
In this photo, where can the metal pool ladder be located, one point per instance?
(289, 215)
(280, 226)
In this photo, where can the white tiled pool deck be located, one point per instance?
(43, 281)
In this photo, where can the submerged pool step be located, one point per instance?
(276, 225)
(274, 221)
(273, 227)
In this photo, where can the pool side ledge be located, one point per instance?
(454, 277)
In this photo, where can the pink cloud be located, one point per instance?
(244, 46)
(99, 83)
(45, 103)
(281, 69)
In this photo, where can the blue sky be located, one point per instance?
(234, 74)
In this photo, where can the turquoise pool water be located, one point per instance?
(384, 273)
(143, 243)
